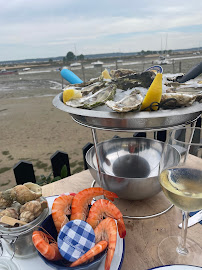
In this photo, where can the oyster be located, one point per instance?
(173, 84)
(96, 99)
(92, 88)
(84, 84)
(129, 103)
(121, 72)
(177, 99)
(133, 80)
(189, 91)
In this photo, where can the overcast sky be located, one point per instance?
(49, 28)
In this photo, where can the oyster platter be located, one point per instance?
(127, 100)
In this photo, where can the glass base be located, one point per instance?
(168, 254)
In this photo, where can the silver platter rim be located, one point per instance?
(171, 117)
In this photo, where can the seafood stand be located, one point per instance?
(104, 118)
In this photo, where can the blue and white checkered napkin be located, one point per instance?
(75, 238)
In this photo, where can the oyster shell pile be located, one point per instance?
(126, 89)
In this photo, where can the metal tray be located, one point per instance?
(100, 118)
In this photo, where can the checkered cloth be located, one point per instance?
(74, 239)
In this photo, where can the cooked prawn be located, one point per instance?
(104, 208)
(60, 208)
(83, 198)
(98, 248)
(107, 230)
(46, 245)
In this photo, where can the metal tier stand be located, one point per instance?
(95, 140)
(100, 118)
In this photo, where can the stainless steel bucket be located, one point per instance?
(18, 240)
(130, 166)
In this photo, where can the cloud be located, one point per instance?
(51, 28)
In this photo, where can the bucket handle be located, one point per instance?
(12, 243)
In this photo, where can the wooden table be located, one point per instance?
(143, 235)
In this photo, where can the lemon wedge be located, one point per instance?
(154, 93)
(105, 74)
(71, 94)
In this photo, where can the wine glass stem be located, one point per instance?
(181, 249)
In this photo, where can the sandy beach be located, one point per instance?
(32, 129)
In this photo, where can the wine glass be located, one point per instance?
(182, 185)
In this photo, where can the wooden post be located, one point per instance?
(143, 66)
(83, 72)
(62, 83)
(58, 160)
(180, 66)
(173, 66)
(116, 64)
(24, 172)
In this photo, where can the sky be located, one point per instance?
(51, 28)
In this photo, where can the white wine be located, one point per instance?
(183, 187)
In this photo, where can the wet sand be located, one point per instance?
(33, 129)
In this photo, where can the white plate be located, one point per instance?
(35, 262)
(177, 267)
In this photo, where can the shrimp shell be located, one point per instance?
(61, 208)
(104, 208)
(107, 230)
(98, 248)
(83, 198)
(46, 245)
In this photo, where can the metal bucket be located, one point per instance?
(18, 240)
(130, 166)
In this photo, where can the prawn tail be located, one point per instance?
(110, 195)
(98, 248)
(121, 227)
(110, 254)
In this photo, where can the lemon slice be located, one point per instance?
(105, 74)
(154, 93)
(71, 94)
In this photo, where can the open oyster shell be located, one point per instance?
(189, 91)
(177, 99)
(129, 103)
(92, 88)
(94, 100)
